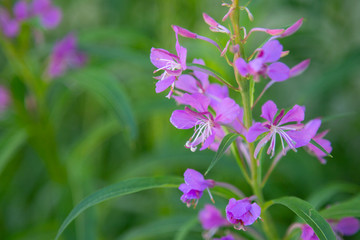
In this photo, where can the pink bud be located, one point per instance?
(209, 20)
(184, 32)
(300, 68)
(293, 28)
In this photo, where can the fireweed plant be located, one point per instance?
(218, 121)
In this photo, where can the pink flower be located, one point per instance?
(8, 25)
(171, 64)
(205, 123)
(276, 124)
(194, 186)
(65, 55)
(50, 15)
(271, 52)
(242, 212)
(210, 218)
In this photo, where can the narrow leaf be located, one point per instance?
(225, 143)
(104, 85)
(117, 190)
(308, 213)
(323, 196)
(350, 208)
(320, 147)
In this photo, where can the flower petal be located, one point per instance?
(182, 119)
(254, 131)
(272, 51)
(242, 66)
(268, 111)
(160, 57)
(293, 28)
(183, 32)
(300, 68)
(187, 83)
(348, 226)
(203, 77)
(196, 100)
(195, 179)
(278, 72)
(162, 85)
(226, 111)
(296, 114)
(51, 17)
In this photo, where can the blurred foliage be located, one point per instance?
(104, 123)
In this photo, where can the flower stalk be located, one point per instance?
(246, 91)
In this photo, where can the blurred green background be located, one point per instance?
(119, 128)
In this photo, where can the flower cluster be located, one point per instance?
(212, 113)
(48, 15)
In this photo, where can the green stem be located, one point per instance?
(246, 92)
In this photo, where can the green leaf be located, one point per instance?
(308, 213)
(10, 143)
(106, 87)
(324, 195)
(225, 143)
(350, 208)
(320, 147)
(117, 190)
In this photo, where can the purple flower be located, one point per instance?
(65, 55)
(199, 83)
(4, 99)
(172, 64)
(8, 26)
(194, 186)
(303, 137)
(347, 226)
(50, 16)
(242, 212)
(271, 52)
(211, 218)
(308, 233)
(21, 10)
(344, 227)
(204, 122)
(276, 125)
(227, 237)
(318, 138)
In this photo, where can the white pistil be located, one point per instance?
(202, 130)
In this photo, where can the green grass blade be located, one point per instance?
(350, 208)
(117, 190)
